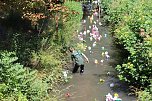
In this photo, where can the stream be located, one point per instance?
(99, 77)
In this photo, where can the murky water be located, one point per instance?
(87, 87)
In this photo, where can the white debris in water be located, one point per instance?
(103, 48)
(101, 61)
(106, 53)
(90, 52)
(88, 31)
(89, 27)
(107, 56)
(112, 85)
(80, 33)
(94, 44)
(89, 48)
(84, 33)
(84, 21)
(100, 23)
(97, 20)
(91, 34)
(109, 97)
(96, 61)
(102, 53)
(65, 74)
(108, 73)
(105, 35)
(91, 38)
(94, 22)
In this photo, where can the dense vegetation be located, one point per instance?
(33, 36)
(131, 22)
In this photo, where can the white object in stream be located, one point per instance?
(84, 33)
(94, 44)
(106, 53)
(101, 61)
(103, 48)
(80, 33)
(65, 74)
(100, 23)
(89, 48)
(105, 35)
(112, 85)
(107, 56)
(84, 21)
(88, 31)
(91, 38)
(89, 27)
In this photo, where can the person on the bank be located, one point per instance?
(77, 58)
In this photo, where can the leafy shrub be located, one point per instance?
(128, 20)
(18, 82)
(144, 96)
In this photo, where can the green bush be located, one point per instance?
(18, 82)
(127, 21)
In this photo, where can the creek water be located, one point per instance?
(88, 87)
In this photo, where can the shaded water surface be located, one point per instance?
(87, 87)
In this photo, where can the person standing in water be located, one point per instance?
(77, 58)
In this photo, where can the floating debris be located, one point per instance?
(101, 61)
(112, 85)
(102, 48)
(101, 81)
(107, 56)
(108, 73)
(106, 53)
(100, 23)
(84, 21)
(67, 95)
(96, 61)
(90, 52)
(84, 33)
(81, 33)
(88, 31)
(91, 38)
(94, 22)
(105, 35)
(94, 44)
(65, 74)
(109, 97)
(102, 53)
(89, 48)
(89, 27)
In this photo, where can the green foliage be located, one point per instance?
(73, 22)
(144, 96)
(40, 44)
(18, 82)
(128, 20)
